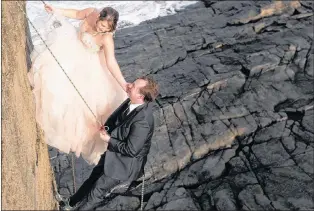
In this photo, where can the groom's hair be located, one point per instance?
(151, 90)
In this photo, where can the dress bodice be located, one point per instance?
(88, 39)
(89, 42)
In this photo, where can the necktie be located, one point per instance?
(126, 112)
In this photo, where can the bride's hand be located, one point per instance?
(49, 8)
(126, 86)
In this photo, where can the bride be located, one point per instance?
(87, 56)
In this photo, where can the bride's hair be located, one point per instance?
(111, 15)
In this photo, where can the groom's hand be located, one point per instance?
(104, 136)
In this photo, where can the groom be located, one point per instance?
(130, 129)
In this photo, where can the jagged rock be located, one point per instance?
(182, 204)
(209, 168)
(305, 161)
(253, 198)
(53, 153)
(206, 202)
(171, 199)
(274, 131)
(64, 192)
(154, 201)
(272, 153)
(121, 203)
(234, 129)
(224, 200)
(286, 185)
(307, 121)
(178, 198)
(303, 135)
(310, 65)
(236, 165)
(243, 180)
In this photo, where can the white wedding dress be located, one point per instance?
(67, 122)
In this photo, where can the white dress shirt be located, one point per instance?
(133, 106)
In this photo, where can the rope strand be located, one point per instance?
(59, 62)
(73, 172)
(142, 194)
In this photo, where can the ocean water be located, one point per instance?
(131, 12)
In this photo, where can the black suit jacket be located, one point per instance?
(130, 141)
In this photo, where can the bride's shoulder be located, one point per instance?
(84, 13)
(107, 37)
(91, 11)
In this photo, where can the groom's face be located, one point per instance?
(134, 90)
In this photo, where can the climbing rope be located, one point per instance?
(73, 167)
(142, 194)
(73, 172)
(58, 63)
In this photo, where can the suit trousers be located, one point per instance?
(93, 190)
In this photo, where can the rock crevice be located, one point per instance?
(234, 128)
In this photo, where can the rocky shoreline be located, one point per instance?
(235, 124)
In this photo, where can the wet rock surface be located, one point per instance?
(235, 124)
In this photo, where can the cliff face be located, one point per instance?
(26, 173)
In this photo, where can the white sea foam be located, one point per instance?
(131, 12)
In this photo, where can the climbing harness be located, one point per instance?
(57, 24)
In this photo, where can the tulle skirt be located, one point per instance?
(65, 118)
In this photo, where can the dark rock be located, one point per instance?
(234, 128)
(275, 157)
(253, 198)
(307, 121)
(274, 131)
(287, 187)
(182, 204)
(224, 200)
(154, 201)
(121, 203)
(243, 180)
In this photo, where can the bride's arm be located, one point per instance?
(112, 64)
(70, 13)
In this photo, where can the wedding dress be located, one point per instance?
(66, 120)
